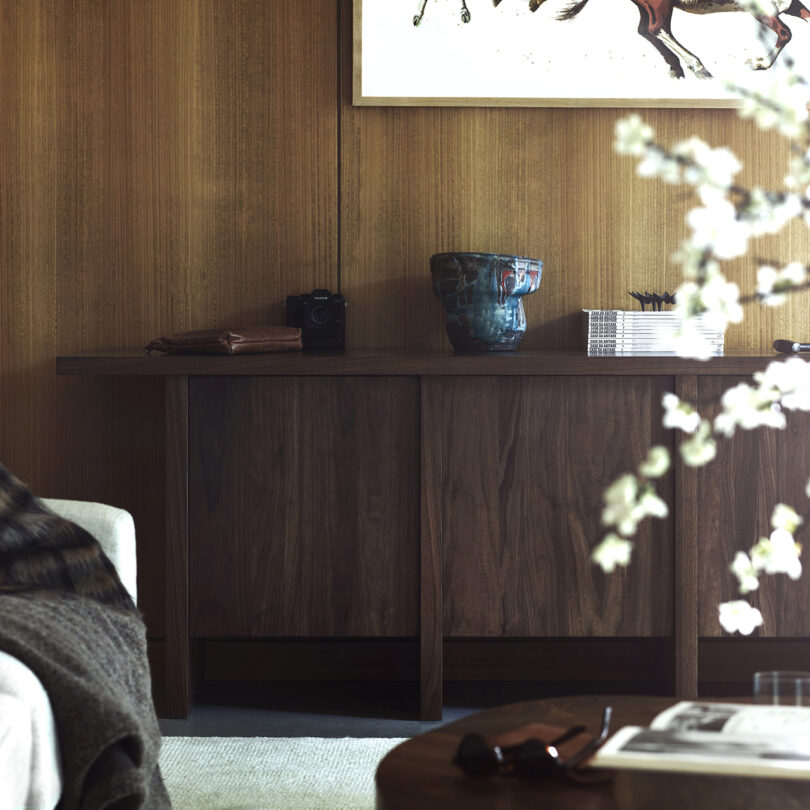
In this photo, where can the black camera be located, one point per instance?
(321, 317)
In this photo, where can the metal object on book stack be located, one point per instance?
(655, 300)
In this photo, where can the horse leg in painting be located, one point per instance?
(656, 19)
(465, 12)
(417, 18)
(783, 36)
(533, 4)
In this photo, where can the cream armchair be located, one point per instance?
(30, 773)
(112, 527)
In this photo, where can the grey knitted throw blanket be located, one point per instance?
(91, 660)
(65, 615)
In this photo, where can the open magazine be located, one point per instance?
(719, 738)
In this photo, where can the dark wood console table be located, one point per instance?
(430, 495)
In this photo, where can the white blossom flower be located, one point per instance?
(722, 166)
(779, 375)
(632, 136)
(798, 399)
(679, 414)
(766, 280)
(689, 341)
(772, 284)
(787, 381)
(777, 102)
(657, 163)
(746, 574)
(799, 171)
(715, 300)
(707, 166)
(701, 448)
(748, 407)
(785, 517)
(689, 299)
(626, 504)
(695, 262)
(777, 554)
(620, 504)
(789, 208)
(716, 225)
(722, 299)
(656, 463)
(694, 149)
(794, 274)
(720, 229)
(739, 616)
(650, 504)
(612, 551)
(769, 213)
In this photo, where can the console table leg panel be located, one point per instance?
(686, 562)
(178, 691)
(430, 578)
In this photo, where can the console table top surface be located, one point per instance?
(387, 362)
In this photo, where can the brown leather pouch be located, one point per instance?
(247, 340)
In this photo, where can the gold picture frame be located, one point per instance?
(523, 55)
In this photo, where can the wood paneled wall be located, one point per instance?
(180, 164)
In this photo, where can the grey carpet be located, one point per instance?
(272, 773)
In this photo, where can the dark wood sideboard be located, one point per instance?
(447, 497)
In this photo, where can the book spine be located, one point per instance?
(649, 336)
(642, 353)
(643, 333)
(646, 347)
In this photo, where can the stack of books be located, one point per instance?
(615, 332)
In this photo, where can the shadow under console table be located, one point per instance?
(453, 497)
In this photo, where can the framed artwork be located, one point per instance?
(563, 53)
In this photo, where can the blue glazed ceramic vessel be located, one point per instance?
(482, 295)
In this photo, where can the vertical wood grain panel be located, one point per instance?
(261, 123)
(686, 562)
(164, 165)
(176, 552)
(525, 463)
(303, 506)
(430, 558)
(736, 494)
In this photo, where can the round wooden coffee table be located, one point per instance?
(419, 773)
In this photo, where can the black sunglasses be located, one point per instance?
(533, 760)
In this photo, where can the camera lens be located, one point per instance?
(319, 315)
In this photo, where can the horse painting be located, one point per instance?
(656, 21)
(656, 18)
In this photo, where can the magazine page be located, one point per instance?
(721, 738)
(670, 750)
(776, 722)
